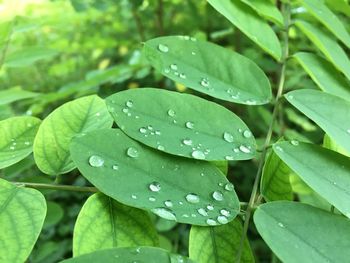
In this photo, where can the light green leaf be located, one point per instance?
(209, 68)
(301, 233)
(171, 187)
(28, 56)
(325, 171)
(22, 214)
(17, 136)
(15, 94)
(328, 46)
(116, 225)
(128, 254)
(330, 144)
(266, 9)
(218, 244)
(340, 6)
(176, 124)
(246, 20)
(323, 14)
(330, 112)
(275, 183)
(51, 145)
(324, 74)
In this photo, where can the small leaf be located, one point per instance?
(330, 144)
(275, 183)
(209, 68)
(116, 225)
(246, 20)
(176, 124)
(323, 14)
(174, 188)
(15, 94)
(324, 74)
(328, 46)
(325, 171)
(128, 254)
(51, 145)
(329, 112)
(17, 136)
(267, 10)
(22, 214)
(28, 56)
(218, 244)
(301, 233)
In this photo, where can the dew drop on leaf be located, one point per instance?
(164, 213)
(229, 158)
(163, 48)
(96, 161)
(173, 66)
(244, 149)
(211, 222)
(205, 82)
(229, 187)
(222, 219)
(197, 154)
(168, 203)
(247, 134)
(189, 125)
(210, 207)
(228, 137)
(187, 141)
(143, 130)
(202, 212)
(280, 224)
(152, 199)
(225, 212)
(171, 113)
(133, 196)
(129, 103)
(154, 187)
(160, 147)
(132, 152)
(182, 75)
(115, 167)
(192, 198)
(218, 196)
(294, 142)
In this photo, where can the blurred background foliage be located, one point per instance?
(58, 50)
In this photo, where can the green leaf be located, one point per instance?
(329, 112)
(127, 254)
(340, 6)
(15, 94)
(330, 144)
(301, 233)
(17, 136)
(323, 14)
(176, 124)
(324, 74)
(54, 214)
(22, 214)
(325, 171)
(28, 56)
(249, 22)
(218, 244)
(328, 46)
(171, 187)
(116, 225)
(275, 183)
(51, 145)
(266, 9)
(209, 68)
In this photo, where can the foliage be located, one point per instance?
(154, 131)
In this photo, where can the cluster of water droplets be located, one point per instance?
(229, 137)
(14, 144)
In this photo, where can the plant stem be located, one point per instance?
(58, 187)
(251, 204)
(159, 17)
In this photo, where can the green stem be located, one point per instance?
(57, 187)
(251, 204)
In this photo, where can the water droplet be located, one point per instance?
(163, 48)
(143, 130)
(115, 167)
(193, 53)
(236, 150)
(125, 110)
(228, 137)
(129, 103)
(192, 198)
(229, 187)
(290, 97)
(205, 82)
(294, 142)
(152, 199)
(244, 149)
(168, 203)
(229, 158)
(167, 70)
(279, 148)
(96, 161)
(280, 224)
(157, 132)
(210, 207)
(160, 147)
(182, 75)
(133, 196)
(12, 147)
(132, 152)
(154, 187)
(211, 222)
(250, 102)
(222, 219)
(173, 66)
(27, 143)
(150, 127)
(225, 212)
(197, 154)
(171, 113)
(189, 125)
(202, 212)
(187, 141)
(247, 134)
(348, 131)
(218, 196)
(164, 213)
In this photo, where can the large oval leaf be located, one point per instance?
(249, 22)
(22, 214)
(325, 171)
(17, 136)
(302, 233)
(176, 124)
(330, 112)
(178, 189)
(327, 44)
(209, 68)
(218, 244)
(323, 14)
(51, 145)
(128, 254)
(266, 9)
(324, 74)
(107, 224)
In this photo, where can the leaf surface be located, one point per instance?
(15, 94)
(267, 10)
(28, 56)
